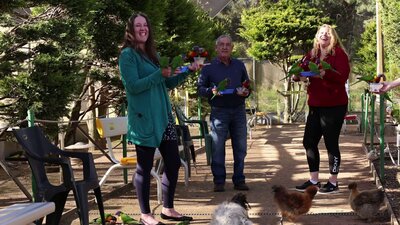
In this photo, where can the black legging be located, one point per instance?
(327, 122)
(170, 153)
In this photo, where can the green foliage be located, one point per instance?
(279, 32)
(49, 49)
(107, 27)
(185, 26)
(396, 113)
(391, 28)
(268, 100)
(229, 22)
(276, 31)
(42, 66)
(365, 59)
(344, 15)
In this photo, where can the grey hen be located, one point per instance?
(366, 204)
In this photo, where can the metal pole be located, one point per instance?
(124, 146)
(31, 123)
(366, 124)
(362, 112)
(372, 122)
(379, 70)
(31, 118)
(199, 114)
(382, 135)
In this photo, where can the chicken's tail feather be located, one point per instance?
(241, 199)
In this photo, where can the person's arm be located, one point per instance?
(245, 76)
(387, 86)
(128, 63)
(174, 81)
(203, 87)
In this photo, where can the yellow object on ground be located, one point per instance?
(128, 160)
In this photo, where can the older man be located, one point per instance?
(228, 114)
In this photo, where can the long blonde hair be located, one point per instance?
(335, 41)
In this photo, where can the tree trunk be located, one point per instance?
(287, 102)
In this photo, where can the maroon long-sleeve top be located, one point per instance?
(330, 90)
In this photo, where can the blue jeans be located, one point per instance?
(232, 120)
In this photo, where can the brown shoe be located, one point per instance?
(241, 187)
(219, 188)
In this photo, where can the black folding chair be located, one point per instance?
(41, 153)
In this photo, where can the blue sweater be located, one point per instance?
(147, 95)
(217, 71)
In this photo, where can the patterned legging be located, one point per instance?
(170, 153)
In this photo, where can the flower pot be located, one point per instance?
(374, 87)
(199, 60)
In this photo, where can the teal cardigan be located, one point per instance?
(147, 94)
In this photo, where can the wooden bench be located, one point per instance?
(25, 213)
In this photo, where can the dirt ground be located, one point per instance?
(275, 156)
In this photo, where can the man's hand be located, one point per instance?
(194, 66)
(242, 91)
(215, 91)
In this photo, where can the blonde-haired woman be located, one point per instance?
(327, 101)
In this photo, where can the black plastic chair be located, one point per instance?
(185, 140)
(41, 153)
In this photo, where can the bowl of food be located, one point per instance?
(375, 87)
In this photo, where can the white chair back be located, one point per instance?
(113, 126)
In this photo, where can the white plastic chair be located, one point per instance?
(117, 126)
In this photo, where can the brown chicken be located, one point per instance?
(366, 204)
(293, 204)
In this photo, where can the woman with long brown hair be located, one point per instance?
(150, 121)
